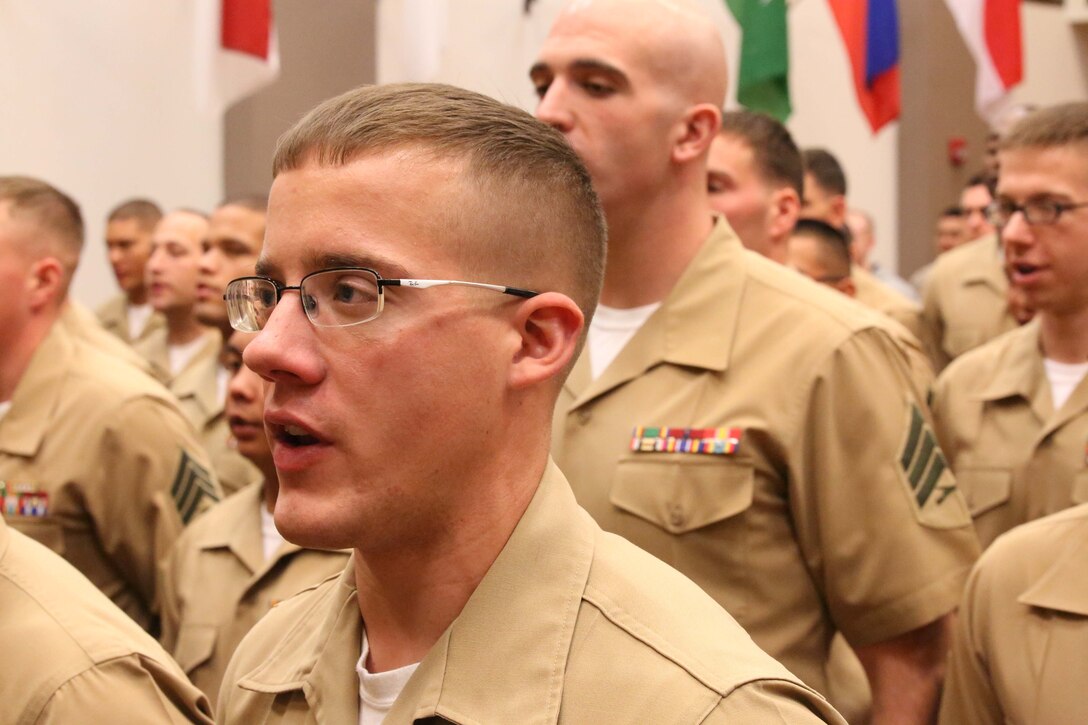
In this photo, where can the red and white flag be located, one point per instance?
(991, 29)
(236, 51)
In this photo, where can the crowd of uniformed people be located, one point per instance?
(493, 468)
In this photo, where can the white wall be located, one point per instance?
(98, 98)
(1055, 59)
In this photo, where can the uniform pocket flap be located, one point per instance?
(196, 645)
(985, 488)
(681, 496)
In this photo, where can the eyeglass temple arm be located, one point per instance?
(425, 283)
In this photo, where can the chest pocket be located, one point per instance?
(683, 495)
(195, 646)
(985, 488)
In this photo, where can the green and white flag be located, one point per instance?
(763, 83)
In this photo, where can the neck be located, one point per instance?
(271, 489)
(181, 326)
(1064, 338)
(409, 594)
(650, 244)
(137, 297)
(16, 357)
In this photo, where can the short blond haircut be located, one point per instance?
(1061, 125)
(53, 212)
(549, 218)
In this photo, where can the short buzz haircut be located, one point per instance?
(983, 178)
(834, 244)
(54, 213)
(548, 216)
(776, 156)
(253, 202)
(145, 212)
(1063, 125)
(825, 170)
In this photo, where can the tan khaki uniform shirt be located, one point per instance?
(964, 303)
(97, 463)
(1020, 653)
(569, 624)
(67, 655)
(113, 314)
(81, 323)
(822, 504)
(202, 400)
(876, 295)
(217, 584)
(1015, 457)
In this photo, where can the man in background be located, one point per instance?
(96, 460)
(965, 301)
(712, 417)
(949, 232)
(129, 315)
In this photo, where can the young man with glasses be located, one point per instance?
(1012, 416)
(431, 257)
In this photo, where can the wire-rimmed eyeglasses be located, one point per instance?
(336, 297)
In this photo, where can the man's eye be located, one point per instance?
(597, 89)
(344, 293)
(541, 89)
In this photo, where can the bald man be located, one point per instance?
(712, 418)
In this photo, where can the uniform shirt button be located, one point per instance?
(676, 515)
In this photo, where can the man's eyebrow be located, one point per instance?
(593, 65)
(265, 268)
(385, 267)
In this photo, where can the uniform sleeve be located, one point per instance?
(968, 694)
(167, 598)
(933, 321)
(878, 516)
(126, 689)
(772, 702)
(156, 477)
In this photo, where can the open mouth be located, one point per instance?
(295, 436)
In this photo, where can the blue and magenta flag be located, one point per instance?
(870, 31)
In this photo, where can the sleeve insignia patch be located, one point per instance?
(928, 476)
(707, 441)
(192, 484)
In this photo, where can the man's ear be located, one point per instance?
(699, 127)
(548, 326)
(785, 208)
(838, 210)
(44, 283)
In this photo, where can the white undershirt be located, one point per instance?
(180, 355)
(138, 316)
(271, 540)
(4, 408)
(377, 693)
(1064, 378)
(612, 328)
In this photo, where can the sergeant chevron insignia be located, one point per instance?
(928, 476)
(192, 484)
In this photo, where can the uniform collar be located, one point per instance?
(1019, 371)
(709, 289)
(239, 528)
(199, 379)
(502, 660)
(1064, 587)
(37, 395)
(990, 271)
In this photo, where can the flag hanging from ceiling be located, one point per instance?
(870, 31)
(763, 76)
(991, 29)
(237, 51)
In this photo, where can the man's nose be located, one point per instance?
(553, 108)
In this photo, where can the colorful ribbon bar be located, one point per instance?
(708, 441)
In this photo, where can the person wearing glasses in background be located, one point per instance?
(231, 565)
(1012, 416)
(409, 399)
